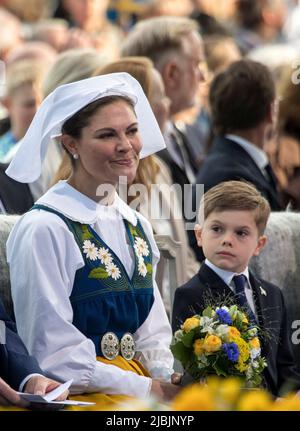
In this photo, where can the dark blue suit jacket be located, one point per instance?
(276, 348)
(15, 362)
(228, 161)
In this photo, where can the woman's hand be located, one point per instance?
(40, 385)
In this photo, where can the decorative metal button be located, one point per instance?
(127, 346)
(110, 346)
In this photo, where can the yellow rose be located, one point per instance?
(212, 343)
(198, 347)
(255, 400)
(190, 324)
(254, 343)
(233, 333)
(194, 397)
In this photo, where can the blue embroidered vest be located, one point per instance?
(104, 298)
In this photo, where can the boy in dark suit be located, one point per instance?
(232, 219)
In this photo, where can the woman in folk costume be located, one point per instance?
(83, 270)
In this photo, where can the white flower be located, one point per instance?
(207, 324)
(221, 330)
(142, 267)
(104, 256)
(141, 247)
(113, 271)
(90, 250)
(252, 332)
(254, 353)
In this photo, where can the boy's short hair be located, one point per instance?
(236, 196)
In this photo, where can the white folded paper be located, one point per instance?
(50, 397)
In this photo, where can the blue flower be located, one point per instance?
(224, 316)
(232, 351)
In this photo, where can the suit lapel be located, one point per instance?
(212, 281)
(238, 153)
(260, 299)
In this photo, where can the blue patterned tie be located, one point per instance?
(240, 283)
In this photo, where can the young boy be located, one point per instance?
(235, 216)
(23, 95)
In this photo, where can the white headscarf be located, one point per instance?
(63, 103)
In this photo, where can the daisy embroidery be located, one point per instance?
(104, 256)
(113, 271)
(141, 247)
(90, 250)
(142, 269)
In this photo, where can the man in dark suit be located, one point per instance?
(176, 49)
(230, 233)
(243, 108)
(17, 368)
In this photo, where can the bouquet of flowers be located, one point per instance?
(222, 342)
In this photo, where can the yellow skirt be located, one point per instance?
(102, 401)
(109, 402)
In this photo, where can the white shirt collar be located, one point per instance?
(66, 199)
(257, 154)
(227, 276)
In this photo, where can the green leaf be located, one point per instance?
(188, 338)
(181, 353)
(133, 230)
(219, 370)
(85, 233)
(98, 273)
(149, 268)
(207, 312)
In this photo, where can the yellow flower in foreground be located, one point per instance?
(255, 400)
(198, 347)
(190, 324)
(229, 389)
(194, 397)
(290, 403)
(212, 343)
(233, 333)
(254, 343)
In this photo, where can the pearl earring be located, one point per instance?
(75, 156)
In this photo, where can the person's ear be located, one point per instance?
(69, 143)
(171, 74)
(6, 102)
(260, 245)
(198, 234)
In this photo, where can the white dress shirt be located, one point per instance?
(44, 257)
